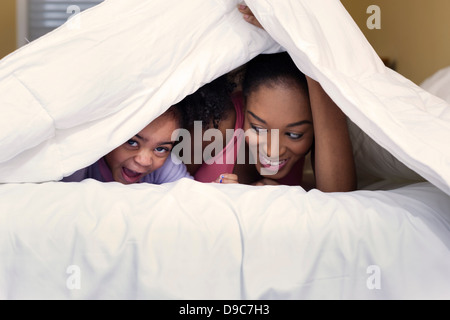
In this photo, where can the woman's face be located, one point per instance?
(145, 152)
(287, 109)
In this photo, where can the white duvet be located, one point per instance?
(75, 94)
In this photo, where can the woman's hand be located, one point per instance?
(249, 16)
(266, 182)
(227, 178)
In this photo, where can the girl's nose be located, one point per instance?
(144, 158)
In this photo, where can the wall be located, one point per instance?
(414, 33)
(7, 27)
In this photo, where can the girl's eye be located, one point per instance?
(259, 130)
(294, 136)
(132, 143)
(161, 149)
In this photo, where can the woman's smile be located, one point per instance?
(272, 165)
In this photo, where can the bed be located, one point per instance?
(77, 93)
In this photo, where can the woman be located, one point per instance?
(282, 115)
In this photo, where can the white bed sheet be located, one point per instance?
(147, 242)
(439, 84)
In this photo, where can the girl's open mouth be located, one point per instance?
(131, 176)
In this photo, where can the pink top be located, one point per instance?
(225, 160)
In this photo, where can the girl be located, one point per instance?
(143, 158)
(212, 107)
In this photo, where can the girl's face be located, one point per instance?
(145, 152)
(280, 107)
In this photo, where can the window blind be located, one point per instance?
(46, 15)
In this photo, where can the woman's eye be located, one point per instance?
(259, 130)
(132, 143)
(294, 136)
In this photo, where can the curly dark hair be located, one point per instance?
(208, 104)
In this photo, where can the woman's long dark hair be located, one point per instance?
(272, 69)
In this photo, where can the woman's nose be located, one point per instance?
(273, 148)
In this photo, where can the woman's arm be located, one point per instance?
(333, 161)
